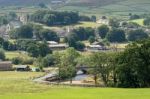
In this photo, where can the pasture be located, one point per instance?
(19, 85)
(13, 54)
(138, 21)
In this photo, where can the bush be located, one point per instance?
(2, 54)
(17, 60)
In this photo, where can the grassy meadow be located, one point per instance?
(13, 54)
(19, 85)
(138, 21)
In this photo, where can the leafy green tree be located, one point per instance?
(93, 18)
(116, 35)
(92, 39)
(137, 35)
(44, 49)
(3, 20)
(24, 31)
(11, 16)
(42, 5)
(49, 35)
(2, 54)
(133, 65)
(33, 50)
(147, 21)
(67, 65)
(80, 46)
(103, 30)
(99, 62)
(84, 33)
(71, 39)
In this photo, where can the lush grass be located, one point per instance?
(18, 85)
(138, 21)
(80, 24)
(12, 54)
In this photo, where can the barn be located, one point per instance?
(5, 66)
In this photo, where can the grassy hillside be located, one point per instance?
(109, 7)
(89, 7)
(19, 85)
(23, 2)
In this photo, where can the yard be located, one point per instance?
(18, 85)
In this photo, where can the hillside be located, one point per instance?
(24, 2)
(90, 7)
(109, 7)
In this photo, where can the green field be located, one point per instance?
(80, 24)
(138, 21)
(19, 85)
(13, 54)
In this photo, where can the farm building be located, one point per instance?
(22, 68)
(58, 47)
(5, 66)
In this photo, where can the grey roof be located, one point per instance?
(22, 66)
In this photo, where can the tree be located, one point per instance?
(67, 65)
(147, 21)
(55, 18)
(3, 20)
(36, 31)
(33, 50)
(24, 31)
(103, 30)
(137, 35)
(135, 16)
(116, 35)
(93, 18)
(91, 39)
(42, 5)
(84, 33)
(101, 67)
(11, 16)
(49, 60)
(71, 39)
(44, 49)
(80, 46)
(114, 23)
(49, 35)
(2, 55)
(133, 65)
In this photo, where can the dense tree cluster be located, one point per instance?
(2, 55)
(6, 45)
(135, 35)
(30, 31)
(133, 65)
(3, 20)
(34, 48)
(147, 21)
(55, 18)
(116, 35)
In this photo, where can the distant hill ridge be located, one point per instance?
(24, 2)
(70, 2)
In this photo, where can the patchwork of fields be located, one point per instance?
(19, 85)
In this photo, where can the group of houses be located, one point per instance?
(18, 22)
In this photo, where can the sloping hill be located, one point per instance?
(90, 7)
(109, 7)
(24, 2)
(91, 2)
